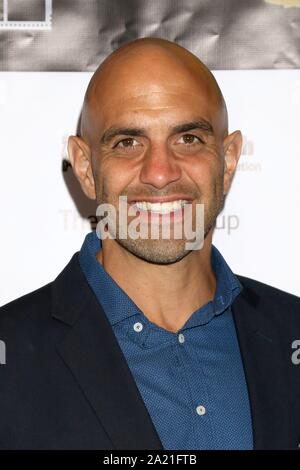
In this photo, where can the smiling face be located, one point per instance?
(154, 129)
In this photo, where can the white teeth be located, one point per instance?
(161, 207)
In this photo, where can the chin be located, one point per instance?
(156, 251)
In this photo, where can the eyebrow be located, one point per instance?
(112, 132)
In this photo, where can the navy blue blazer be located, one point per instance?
(67, 385)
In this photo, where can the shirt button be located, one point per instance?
(138, 327)
(181, 338)
(201, 410)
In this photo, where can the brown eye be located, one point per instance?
(189, 139)
(125, 143)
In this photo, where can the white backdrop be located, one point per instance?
(41, 227)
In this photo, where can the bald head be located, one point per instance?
(144, 66)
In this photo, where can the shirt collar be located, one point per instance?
(118, 306)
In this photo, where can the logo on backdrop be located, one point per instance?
(28, 14)
(247, 162)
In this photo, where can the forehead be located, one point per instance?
(150, 90)
(154, 108)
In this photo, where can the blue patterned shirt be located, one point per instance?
(192, 382)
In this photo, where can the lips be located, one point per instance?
(161, 199)
(161, 207)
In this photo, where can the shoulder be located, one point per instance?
(38, 303)
(271, 303)
(269, 292)
(25, 316)
(33, 314)
(34, 300)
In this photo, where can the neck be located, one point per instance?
(166, 294)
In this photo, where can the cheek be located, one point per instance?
(113, 176)
(206, 171)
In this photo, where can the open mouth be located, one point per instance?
(161, 207)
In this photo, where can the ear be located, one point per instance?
(232, 146)
(80, 159)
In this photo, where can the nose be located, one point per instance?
(159, 167)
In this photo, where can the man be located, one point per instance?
(143, 343)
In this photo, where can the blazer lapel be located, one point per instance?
(265, 374)
(91, 351)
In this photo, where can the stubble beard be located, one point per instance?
(168, 251)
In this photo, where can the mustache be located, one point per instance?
(142, 191)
